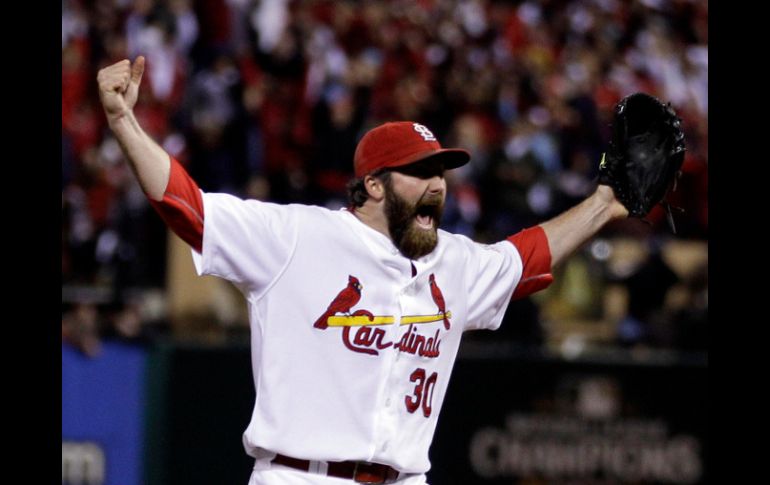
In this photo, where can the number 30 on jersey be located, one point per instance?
(423, 392)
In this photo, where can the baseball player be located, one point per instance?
(356, 315)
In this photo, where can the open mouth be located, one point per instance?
(425, 216)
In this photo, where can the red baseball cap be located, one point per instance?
(400, 143)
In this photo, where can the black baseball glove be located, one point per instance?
(645, 154)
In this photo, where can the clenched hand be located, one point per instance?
(119, 86)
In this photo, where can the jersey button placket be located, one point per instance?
(386, 422)
(397, 330)
(394, 379)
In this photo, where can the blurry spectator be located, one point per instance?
(214, 103)
(185, 25)
(646, 322)
(151, 30)
(80, 329)
(338, 119)
(691, 321)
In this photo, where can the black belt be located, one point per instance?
(358, 471)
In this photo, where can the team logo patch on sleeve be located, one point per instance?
(368, 339)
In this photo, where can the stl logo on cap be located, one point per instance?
(424, 131)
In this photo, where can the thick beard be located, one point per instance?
(409, 238)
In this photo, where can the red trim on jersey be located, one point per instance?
(182, 206)
(532, 245)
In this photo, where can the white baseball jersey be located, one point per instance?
(351, 353)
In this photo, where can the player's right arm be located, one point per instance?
(118, 91)
(171, 191)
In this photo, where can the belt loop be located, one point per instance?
(323, 467)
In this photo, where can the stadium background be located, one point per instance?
(599, 379)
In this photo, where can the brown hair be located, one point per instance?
(357, 194)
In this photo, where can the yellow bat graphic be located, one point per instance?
(363, 320)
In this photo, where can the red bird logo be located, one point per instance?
(344, 301)
(438, 298)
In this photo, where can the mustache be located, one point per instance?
(429, 205)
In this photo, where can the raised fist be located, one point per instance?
(119, 86)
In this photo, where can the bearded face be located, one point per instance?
(413, 227)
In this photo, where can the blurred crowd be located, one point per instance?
(267, 99)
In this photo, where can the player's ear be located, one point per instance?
(374, 187)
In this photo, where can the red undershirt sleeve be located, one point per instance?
(182, 206)
(532, 245)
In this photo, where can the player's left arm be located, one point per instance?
(569, 230)
(542, 248)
